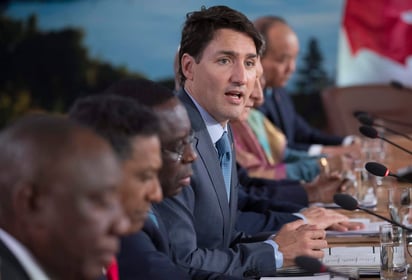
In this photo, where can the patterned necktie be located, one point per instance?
(225, 158)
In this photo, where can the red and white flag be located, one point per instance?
(375, 44)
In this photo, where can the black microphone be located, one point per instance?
(368, 121)
(347, 202)
(370, 132)
(381, 170)
(313, 265)
(359, 113)
(398, 85)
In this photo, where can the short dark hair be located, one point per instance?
(200, 27)
(263, 24)
(115, 118)
(143, 91)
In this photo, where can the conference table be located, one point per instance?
(394, 159)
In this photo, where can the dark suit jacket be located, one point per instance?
(279, 108)
(283, 192)
(145, 255)
(10, 267)
(201, 222)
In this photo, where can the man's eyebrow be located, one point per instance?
(252, 55)
(234, 54)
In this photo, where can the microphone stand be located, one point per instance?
(384, 218)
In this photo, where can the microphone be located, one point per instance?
(369, 121)
(356, 114)
(398, 85)
(370, 132)
(381, 170)
(347, 202)
(313, 265)
(359, 113)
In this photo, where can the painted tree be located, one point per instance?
(311, 76)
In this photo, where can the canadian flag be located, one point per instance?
(375, 43)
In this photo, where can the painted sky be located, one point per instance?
(144, 35)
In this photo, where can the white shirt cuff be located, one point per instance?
(278, 254)
(315, 150)
(348, 140)
(300, 215)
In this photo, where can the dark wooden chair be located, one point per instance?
(384, 102)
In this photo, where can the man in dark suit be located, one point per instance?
(59, 213)
(130, 129)
(279, 63)
(218, 53)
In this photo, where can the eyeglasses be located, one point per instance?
(176, 154)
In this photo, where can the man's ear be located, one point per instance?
(28, 200)
(187, 66)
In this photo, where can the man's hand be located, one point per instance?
(323, 218)
(345, 226)
(296, 239)
(330, 219)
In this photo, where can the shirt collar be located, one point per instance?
(25, 258)
(214, 128)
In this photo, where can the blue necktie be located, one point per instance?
(153, 217)
(225, 158)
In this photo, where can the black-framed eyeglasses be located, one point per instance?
(176, 154)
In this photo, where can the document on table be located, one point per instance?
(315, 277)
(352, 256)
(365, 258)
(371, 229)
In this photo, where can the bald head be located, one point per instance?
(282, 48)
(31, 147)
(58, 194)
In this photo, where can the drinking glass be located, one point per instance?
(393, 262)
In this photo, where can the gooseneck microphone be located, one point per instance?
(313, 265)
(381, 170)
(347, 202)
(370, 132)
(358, 114)
(368, 121)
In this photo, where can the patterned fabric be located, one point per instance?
(271, 139)
(261, 150)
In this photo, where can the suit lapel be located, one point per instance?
(284, 111)
(10, 267)
(206, 157)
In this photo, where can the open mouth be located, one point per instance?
(234, 97)
(234, 94)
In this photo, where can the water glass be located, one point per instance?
(365, 192)
(400, 209)
(393, 262)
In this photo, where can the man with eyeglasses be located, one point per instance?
(146, 255)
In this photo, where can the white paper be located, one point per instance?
(315, 277)
(365, 256)
(371, 228)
